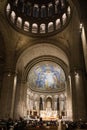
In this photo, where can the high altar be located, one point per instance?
(48, 114)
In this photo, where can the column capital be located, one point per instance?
(9, 72)
(75, 70)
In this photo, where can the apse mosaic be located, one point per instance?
(46, 76)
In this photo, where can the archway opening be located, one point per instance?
(44, 73)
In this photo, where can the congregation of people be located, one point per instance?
(33, 124)
(23, 124)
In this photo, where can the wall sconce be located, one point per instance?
(69, 76)
(9, 74)
(81, 25)
(76, 74)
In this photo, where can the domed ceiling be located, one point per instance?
(38, 17)
(46, 76)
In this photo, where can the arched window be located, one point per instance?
(42, 28)
(35, 11)
(58, 104)
(58, 24)
(64, 18)
(50, 27)
(43, 11)
(26, 26)
(62, 3)
(28, 9)
(68, 10)
(19, 22)
(50, 9)
(20, 5)
(16, 2)
(57, 6)
(48, 103)
(41, 104)
(13, 16)
(8, 8)
(34, 28)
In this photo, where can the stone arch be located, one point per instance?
(43, 49)
(29, 58)
(49, 103)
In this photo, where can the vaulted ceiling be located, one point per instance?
(83, 7)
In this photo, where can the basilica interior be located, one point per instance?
(43, 59)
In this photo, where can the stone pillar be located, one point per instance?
(1, 79)
(78, 95)
(8, 94)
(21, 100)
(2, 61)
(1, 74)
(43, 104)
(8, 83)
(55, 106)
(38, 110)
(69, 98)
(61, 105)
(53, 100)
(58, 105)
(55, 103)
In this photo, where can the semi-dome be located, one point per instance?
(46, 76)
(38, 17)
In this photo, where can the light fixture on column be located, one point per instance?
(76, 74)
(9, 74)
(69, 76)
(81, 25)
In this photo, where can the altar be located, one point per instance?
(49, 115)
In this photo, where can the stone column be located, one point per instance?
(2, 61)
(53, 100)
(69, 98)
(38, 110)
(8, 83)
(1, 79)
(21, 100)
(55, 103)
(58, 105)
(78, 95)
(43, 104)
(1, 73)
(8, 94)
(61, 105)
